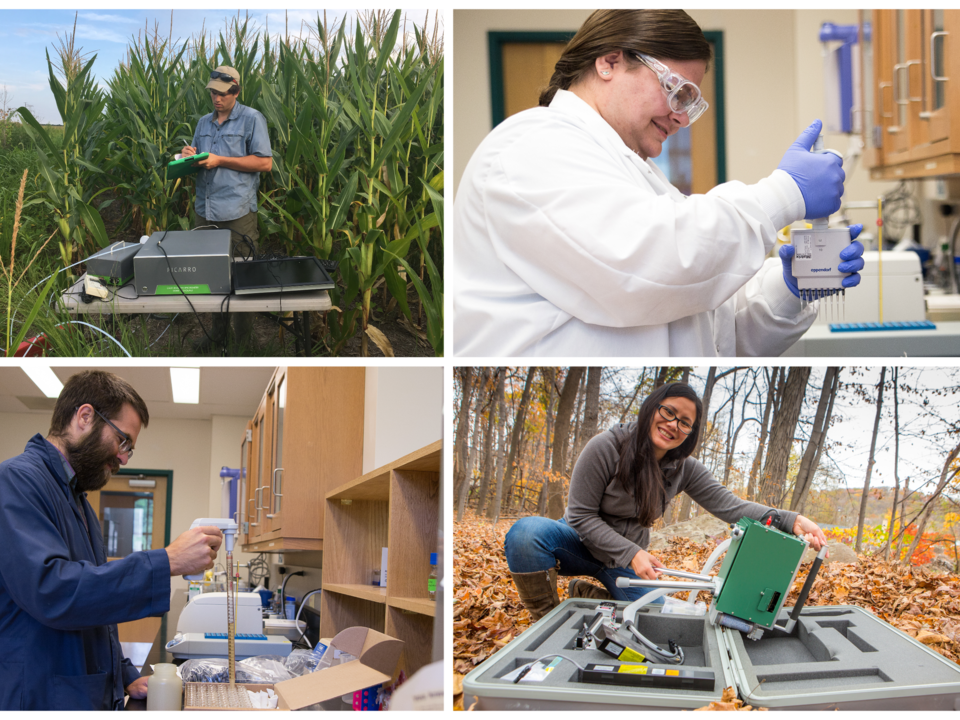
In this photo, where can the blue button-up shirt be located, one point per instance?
(224, 194)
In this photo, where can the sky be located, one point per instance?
(25, 35)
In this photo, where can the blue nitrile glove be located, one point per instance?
(851, 256)
(818, 175)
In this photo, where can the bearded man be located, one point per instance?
(60, 600)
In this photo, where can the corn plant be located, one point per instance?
(356, 125)
(76, 172)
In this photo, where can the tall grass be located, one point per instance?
(355, 116)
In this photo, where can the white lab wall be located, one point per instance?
(402, 412)
(773, 80)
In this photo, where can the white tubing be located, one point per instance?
(630, 611)
(708, 566)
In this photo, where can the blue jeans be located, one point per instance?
(537, 543)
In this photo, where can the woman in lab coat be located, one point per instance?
(569, 241)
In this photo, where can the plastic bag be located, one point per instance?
(301, 662)
(258, 669)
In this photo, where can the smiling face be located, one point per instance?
(632, 101)
(665, 434)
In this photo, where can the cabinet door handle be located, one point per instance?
(251, 500)
(273, 489)
(933, 42)
(882, 86)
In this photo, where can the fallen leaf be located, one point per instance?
(457, 683)
(380, 340)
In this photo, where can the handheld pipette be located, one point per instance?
(229, 529)
(817, 256)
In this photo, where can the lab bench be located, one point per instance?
(158, 652)
(819, 341)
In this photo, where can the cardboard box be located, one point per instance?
(377, 657)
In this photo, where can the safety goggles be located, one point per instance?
(214, 75)
(682, 94)
(126, 443)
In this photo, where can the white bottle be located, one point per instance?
(164, 688)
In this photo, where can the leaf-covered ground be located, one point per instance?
(488, 614)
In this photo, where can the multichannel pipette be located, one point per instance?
(229, 529)
(816, 258)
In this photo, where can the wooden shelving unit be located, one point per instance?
(395, 506)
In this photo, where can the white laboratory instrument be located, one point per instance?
(903, 299)
(207, 613)
(202, 629)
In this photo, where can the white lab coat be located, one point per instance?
(567, 243)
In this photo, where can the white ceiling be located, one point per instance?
(223, 390)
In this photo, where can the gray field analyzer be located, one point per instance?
(189, 263)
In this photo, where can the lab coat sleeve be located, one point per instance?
(593, 471)
(764, 318)
(586, 231)
(129, 671)
(62, 593)
(700, 484)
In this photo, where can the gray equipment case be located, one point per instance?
(837, 657)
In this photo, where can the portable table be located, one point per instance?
(125, 302)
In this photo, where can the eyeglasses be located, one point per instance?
(669, 415)
(214, 75)
(126, 444)
(218, 94)
(682, 94)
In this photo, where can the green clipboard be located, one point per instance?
(184, 166)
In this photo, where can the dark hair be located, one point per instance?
(638, 470)
(663, 34)
(233, 89)
(106, 392)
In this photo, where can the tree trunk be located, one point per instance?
(591, 412)
(513, 458)
(818, 438)
(773, 487)
(549, 376)
(561, 437)
(946, 475)
(685, 505)
(873, 444)
(764, 429)
(488, 459)
(474, 450)
(460, 483)
(896, 467)
(501, 451)
(578, 418)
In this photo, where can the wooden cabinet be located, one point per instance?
(910, 92)
(396, 506)
(307, 438)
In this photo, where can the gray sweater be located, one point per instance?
(604, 515)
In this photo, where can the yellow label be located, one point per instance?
(629, 654)
(633, 669)
(675, 673)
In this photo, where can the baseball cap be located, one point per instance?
(218, 79)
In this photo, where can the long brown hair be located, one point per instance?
(638, 471)
(663, 34)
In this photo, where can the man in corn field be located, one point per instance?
(236, 138)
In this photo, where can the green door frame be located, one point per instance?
(496, 39)
(164, 473)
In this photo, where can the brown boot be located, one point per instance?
(538, 591)
(584, 589)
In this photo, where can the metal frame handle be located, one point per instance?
(933, 42)
(251, 500)
(273, 490)
(881, 86)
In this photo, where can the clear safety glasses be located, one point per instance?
(682, 94)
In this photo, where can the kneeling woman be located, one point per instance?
(622, 483)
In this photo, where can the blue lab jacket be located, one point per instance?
(60, 599)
